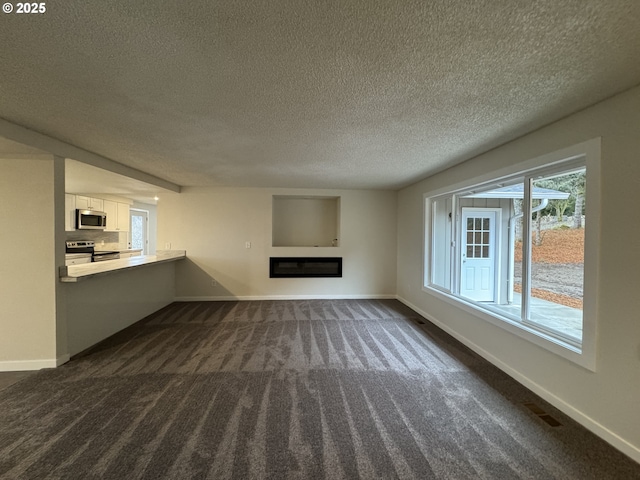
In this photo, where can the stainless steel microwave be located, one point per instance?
(90, 220)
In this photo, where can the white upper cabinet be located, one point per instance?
(117, 216)
(111, 209)
(123, 217)
(89, 203)
(69, 212)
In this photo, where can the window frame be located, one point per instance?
(585, 154)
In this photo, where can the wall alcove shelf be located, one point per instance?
(305, 221)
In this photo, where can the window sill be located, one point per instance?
(548, 342)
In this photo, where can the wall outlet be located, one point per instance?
(167, 246)
(247, 244)
(214, 283)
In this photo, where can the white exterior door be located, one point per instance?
(139, 232)
(479, 254)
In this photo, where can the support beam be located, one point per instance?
(32, 138)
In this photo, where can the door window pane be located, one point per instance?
(139, 230)
(137, 235)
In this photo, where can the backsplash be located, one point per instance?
(104, 240)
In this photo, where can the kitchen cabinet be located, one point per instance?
(117, 216)
(69, 212)
(117, 212)
(123, 217)
(111, 209)
(137, 253)
(77, 258)
(89, 203)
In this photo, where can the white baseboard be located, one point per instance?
(28, 365)
(285, 297)
(598, 429)
(24, 365)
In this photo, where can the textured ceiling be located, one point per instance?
(308, 93)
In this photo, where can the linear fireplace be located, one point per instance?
(297, 267)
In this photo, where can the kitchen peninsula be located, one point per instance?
(103, 298)
(76, 273)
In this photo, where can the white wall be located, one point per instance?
(28, 268)
(605, 401)
(213, 225)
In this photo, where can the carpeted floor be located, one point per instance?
(288, 390)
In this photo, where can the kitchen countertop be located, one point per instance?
(120, 250)
(76, 273)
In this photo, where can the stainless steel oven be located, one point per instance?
(88, 247)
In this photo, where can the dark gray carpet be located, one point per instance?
(288, 389)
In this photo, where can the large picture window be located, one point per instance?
(513, 247)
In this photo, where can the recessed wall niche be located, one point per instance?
(305, 221)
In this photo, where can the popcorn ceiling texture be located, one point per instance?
(325, 94)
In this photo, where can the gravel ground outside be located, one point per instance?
(557, 269)
(562, 278)
(558, 283)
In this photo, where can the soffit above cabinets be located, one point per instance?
(81, 178)
(85, 179)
